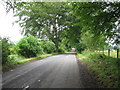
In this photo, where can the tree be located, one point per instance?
(71, 36)
(29, 47)
(93, 42)
(43, 20)
(101, 18)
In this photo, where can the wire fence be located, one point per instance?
(112, 53)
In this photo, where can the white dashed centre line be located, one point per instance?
(25, 87)
(18, 75)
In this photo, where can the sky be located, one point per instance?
(7, 29)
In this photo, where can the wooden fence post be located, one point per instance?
(108, 52)
(117, 53)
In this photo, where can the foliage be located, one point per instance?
(62, 48)
(12, 58)
(72, 37)
(48, 47)
(5, 50)
(29, 47)
(106, 68)
(43, 20)
(24, 60)
(12, 48)
(93, 42)
(102, 18)
(79, 47)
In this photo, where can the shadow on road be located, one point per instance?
(70, 53)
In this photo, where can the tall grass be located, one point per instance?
(21, 60)
(106, 68)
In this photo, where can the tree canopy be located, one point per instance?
(101, 18)
(88, 24)
(43, 20)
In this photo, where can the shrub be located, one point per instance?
(29, 47)
(5, 50)
(80, 47)
(61, 50)
(12, 58)
(12, 50)
(48, 46)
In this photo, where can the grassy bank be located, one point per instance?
(25, 60)
(106, 68)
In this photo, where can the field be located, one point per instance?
(113, 53)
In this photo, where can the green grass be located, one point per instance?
(23, 61)
(106, 68)
(34, 58)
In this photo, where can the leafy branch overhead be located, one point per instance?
(44, 20)
(70, 22)
(99, 17)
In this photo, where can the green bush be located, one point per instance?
(48, 47)
(12, 58)
(61, 50)
(80, 47)
(29, 47)
(13, 50)
(5, 50)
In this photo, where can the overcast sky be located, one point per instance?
(6, 27)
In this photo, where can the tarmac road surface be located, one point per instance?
(58, 71)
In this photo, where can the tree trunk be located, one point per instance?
(56, 37)
(56, 45)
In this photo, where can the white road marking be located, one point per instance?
(27, 87)
(38, 80)
(11, 70)
(17, 75)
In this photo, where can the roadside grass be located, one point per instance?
(25, 60)
(105, 68)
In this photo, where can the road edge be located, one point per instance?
(19, 65)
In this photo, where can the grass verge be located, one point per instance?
(14, 63)
(105, 68)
